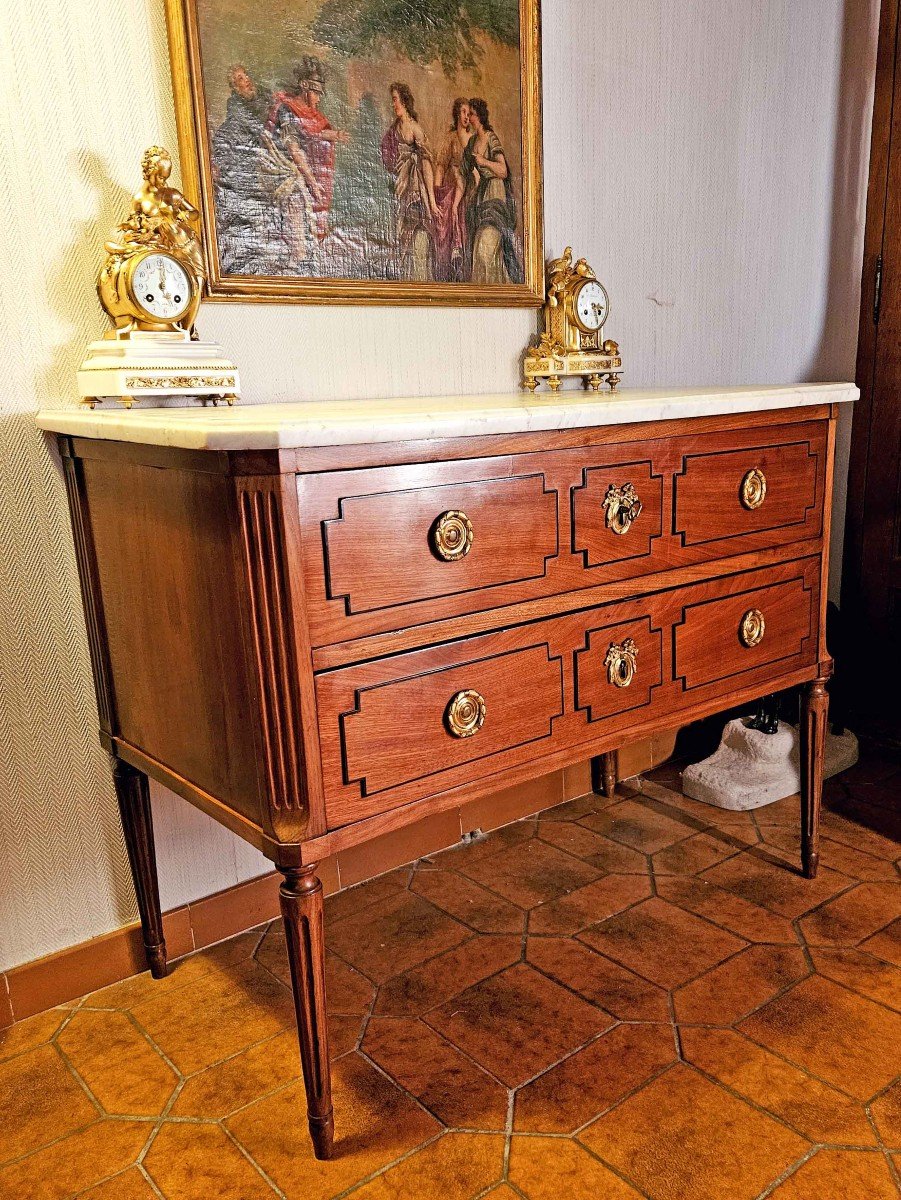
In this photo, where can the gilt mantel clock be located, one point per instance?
(150, 286)
(575, 311)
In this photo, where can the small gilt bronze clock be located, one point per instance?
(150, 286)
(574, 313)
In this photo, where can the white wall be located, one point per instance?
(709, 158)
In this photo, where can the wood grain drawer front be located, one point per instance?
(617, 514)
(771, 626)
(619, 667)
(393, 723)
(772, 487)
(384, 546)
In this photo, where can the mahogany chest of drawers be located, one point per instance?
(319, 642)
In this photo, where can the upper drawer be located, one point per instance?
(390, 548)
(768, 492)
(396, 546)
(421, 543)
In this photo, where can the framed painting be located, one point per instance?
(363, 151)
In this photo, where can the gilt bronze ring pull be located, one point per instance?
(752, 628)
(465, 714)
(452, 535)
(621, 663)
(622, 507)
(753, 489)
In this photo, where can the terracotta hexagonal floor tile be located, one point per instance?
(616, 859)
(393, 935)
(421, 988)
(458, 1166)
(575, 838)
(738, 986)
(886, 944)
(695, 853)
(531, 872)
(637, 824)
(518, 1023)
(129, 1185)
(35, 1031)
(42, 1100)
(774, 884)
(590, 1081)
(739, 916)
(605, 983)
(786, 811)
(117, 1063)
(74, 1163)
(701, 815)
(886, 1110)
(469, 902)
(853, 916)
(588, 905)
(572, 810)
(196, 1161)
(548, 1168)
(351, 901)
(440, 1076)
(856, 864)
(466, 854)
(849, 1174)
(216, 1016)
(663, 943)
(862, 972)
(220, 1090)
(814, 1109)
(709, 1144)
(835, 1034)
(214, 961)
(347, 992)
(852, 833)
(375, 1124)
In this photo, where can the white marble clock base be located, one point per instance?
(158, 367)
(750, 769)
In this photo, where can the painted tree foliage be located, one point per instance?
(424, 31)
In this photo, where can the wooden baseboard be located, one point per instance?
(59, 978)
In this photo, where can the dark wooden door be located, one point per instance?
(871, 595)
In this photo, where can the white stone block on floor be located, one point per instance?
(750, 769)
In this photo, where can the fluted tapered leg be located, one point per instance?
(814, 713)
(133, 794)
(301, 902)
(603, 774)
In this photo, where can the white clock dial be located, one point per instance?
(592, 305)
(161, 287)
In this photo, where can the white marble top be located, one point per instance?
(350, 422)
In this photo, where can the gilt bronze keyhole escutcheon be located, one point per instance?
(621, 507)
(465, 714)
(452, 535)
(752, 628)
(621, 663)
(753, 489)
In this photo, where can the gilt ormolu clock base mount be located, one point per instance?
(151, 285)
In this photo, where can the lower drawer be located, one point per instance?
(407, 726)
(747, 630)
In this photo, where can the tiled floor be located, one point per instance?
(618, 999)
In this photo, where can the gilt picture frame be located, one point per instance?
(324, 178)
